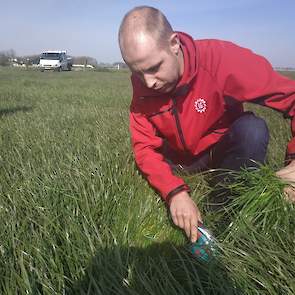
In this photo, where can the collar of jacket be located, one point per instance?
(191, 63)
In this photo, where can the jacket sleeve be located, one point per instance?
(246, 76)
(145, 143)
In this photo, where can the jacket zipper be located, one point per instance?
(180, 133)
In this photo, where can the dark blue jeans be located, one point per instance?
(243, 146)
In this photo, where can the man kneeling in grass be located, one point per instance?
(187, 107)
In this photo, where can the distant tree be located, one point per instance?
(104, 65)
(84, 60)
(6, 57)
(11, 53)
(33, 59)
(119, 64)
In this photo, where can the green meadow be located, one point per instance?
(78, 218)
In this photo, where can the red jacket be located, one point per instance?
(218, 76)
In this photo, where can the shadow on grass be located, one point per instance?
(11, 111)
(157, 269)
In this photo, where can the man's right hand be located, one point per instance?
(185, 214)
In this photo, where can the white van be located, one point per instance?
(55, 60)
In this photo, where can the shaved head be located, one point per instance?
(143, 24)
(151, 49)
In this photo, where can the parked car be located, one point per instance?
(55, 60)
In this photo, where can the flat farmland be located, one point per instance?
(78, 218)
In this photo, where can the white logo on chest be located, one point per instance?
(200, 105)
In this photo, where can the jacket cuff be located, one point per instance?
(289, 157)
(181, 188)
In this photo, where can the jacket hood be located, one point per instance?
(191, 58)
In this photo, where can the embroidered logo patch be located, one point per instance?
(200, 105)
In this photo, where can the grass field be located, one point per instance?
(77, 217)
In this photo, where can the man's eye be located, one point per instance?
(153, 69)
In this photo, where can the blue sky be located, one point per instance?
(90, 27)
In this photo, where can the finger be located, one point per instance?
(194, 230)
(177, 219)
(180, 220)
(289, 194)
(174, 218)
(187, 226)
(199, 217)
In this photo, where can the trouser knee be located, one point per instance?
(245, 143)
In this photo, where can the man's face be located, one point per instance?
(158, 68)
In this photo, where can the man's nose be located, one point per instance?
(150, 81)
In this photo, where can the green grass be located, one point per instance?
(77, 217)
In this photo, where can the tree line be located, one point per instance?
(9, 57)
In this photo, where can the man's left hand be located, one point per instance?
(287, 174)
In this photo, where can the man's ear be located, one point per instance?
(174, 43)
